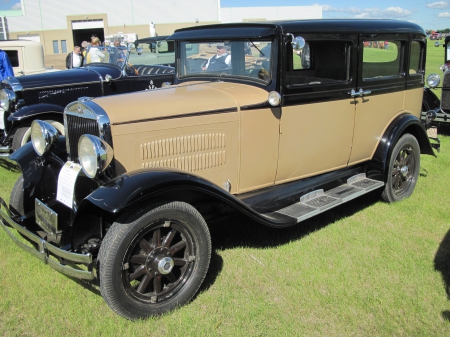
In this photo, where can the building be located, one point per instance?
(59, 25)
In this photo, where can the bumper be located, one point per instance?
(4, 152)
(45, 249)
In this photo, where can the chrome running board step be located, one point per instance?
(4, 151)
(319, 201)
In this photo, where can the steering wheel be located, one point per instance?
(134, 69)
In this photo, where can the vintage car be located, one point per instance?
(44, 96)
(435, 111)
(155, 50)
(285, 120)
(27, 57)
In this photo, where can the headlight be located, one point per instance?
(7, 98)
(433, 80)
(43, 135)
(274, 98)
(95, 155)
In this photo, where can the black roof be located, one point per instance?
(151, 39)
(252, 29)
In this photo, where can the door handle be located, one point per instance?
(360, 93)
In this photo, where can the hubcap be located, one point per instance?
(404, 171)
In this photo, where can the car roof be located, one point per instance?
(151, 39)
(263, 29)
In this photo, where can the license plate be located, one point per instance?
(46, 218)
(432, 132)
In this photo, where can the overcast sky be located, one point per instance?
(428, 14)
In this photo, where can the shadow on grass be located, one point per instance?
(240, 231)
(442, 262)
(446, 315)
(9, 165)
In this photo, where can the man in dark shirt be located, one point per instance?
(220, 61)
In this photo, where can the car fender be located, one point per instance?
(39, 179)
(405, 123)
(151, 185)
(36, 110)
(430, 100)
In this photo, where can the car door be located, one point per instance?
(379, 97)
(317, 119)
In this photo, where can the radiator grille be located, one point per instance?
(76, 127)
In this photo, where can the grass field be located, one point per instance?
(366, 268)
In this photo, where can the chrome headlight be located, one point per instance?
(94, 154)
(433, 80)
(43, 135)
(7, 99)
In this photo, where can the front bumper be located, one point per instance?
(45, 250)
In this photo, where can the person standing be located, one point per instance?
(95, 55)
(74, 59)
(5, 65)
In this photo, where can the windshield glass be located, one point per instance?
(113, 55)
(248, 59)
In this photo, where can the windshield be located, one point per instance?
(113, 55)
(248, 59)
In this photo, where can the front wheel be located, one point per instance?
(404, 166)
(154, 261)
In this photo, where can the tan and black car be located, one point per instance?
(279, 121)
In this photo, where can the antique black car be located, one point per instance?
(278, 121)
(44, 96)
(435, 111)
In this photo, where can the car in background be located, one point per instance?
(27, 57)
(436, 111)
(154, 50)
(278, 121)
(44, 96)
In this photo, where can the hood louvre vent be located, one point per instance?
(62, 97)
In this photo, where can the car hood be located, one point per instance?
(68, 77)
(184, 99)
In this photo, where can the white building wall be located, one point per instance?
(52, 14)
(240, 14)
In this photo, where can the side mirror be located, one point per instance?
(298, 43)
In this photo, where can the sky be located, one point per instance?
(431, 15)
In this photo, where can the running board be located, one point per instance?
(319, 201)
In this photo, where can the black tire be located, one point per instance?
(16, 198)
(404, 167)
(154, 261)
(21, 137)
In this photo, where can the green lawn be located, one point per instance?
(366, 268)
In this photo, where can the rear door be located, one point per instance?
(380, 93)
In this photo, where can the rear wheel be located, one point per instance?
(404, 166)
(154, 261)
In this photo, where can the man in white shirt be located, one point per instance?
(74, 59)
(220, 61)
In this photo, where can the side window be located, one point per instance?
(416, 63)
(13, 56)
(381, 60)
(320, 62)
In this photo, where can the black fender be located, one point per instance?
(36, 110)
(40, 175)
(405, 123)
(145, 186)
(430, 100)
